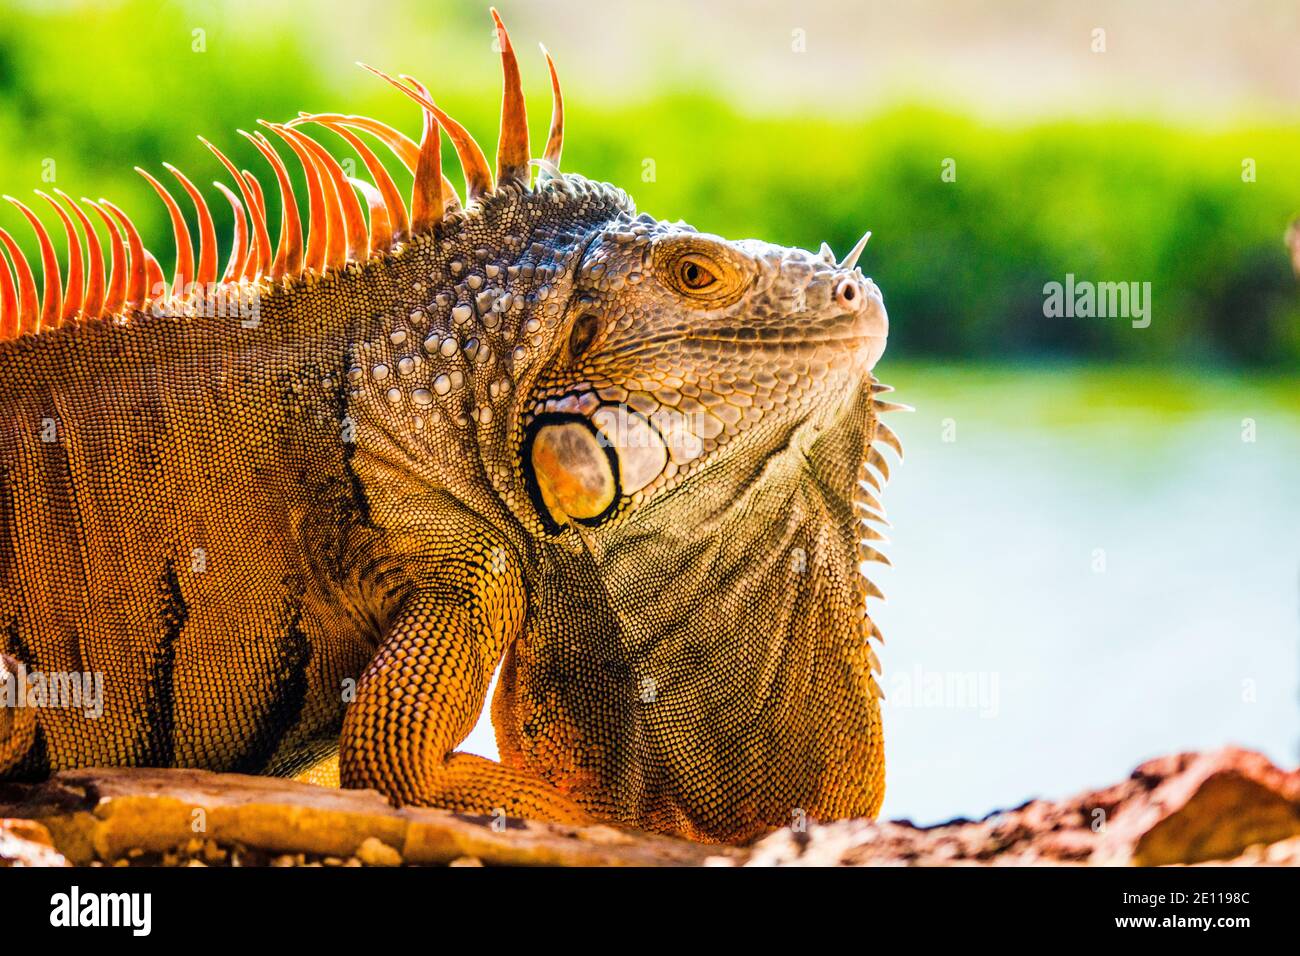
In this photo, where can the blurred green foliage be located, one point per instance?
(962, 263)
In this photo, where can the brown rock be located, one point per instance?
(27, 843)
(1209, 807)
(107, 814)
(1227, 805)
(1231, 806)
(375, 852)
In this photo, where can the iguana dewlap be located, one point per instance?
(300, 509)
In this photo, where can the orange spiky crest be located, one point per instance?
(115, 283)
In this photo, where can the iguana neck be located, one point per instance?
(456, 326)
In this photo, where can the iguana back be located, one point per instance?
(309, 506)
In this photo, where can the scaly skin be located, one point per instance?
(331, 528)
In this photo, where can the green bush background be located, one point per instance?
(963, 264)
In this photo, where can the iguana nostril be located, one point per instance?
(847, 294)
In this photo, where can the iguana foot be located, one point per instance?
(467, 783)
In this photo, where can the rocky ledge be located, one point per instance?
(1229, 806)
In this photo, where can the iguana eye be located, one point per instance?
(694, 275)
(583, 334)
(703, 271)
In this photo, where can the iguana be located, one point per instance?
(295, 514)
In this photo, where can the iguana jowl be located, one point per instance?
(621, 459)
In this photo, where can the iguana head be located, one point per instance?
(698, 446)
(678, 345)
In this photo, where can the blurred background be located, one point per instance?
(1096, 529)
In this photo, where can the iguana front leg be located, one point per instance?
(423, 691)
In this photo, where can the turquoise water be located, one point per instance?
(1091, 568)
(1097, 570)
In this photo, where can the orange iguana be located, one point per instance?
(291, 517)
